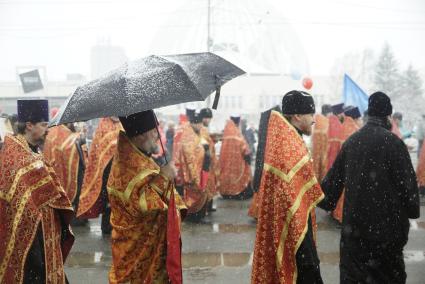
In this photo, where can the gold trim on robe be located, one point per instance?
(101, 152)
(30, 193)
(191, 158)
(290, 192)
(62, 154)
(138, 196)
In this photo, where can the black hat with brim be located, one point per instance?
(353, 112)
(33, 111)
(139, 123)
(206, 113)
(189, 113)
(298, 102)
(235, 119)
(338, 109)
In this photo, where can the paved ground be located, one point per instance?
(221, 250)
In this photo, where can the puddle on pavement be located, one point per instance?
(190, 260)
(88, 260)
(213, 259)
(233, 204)
(235, 228)
(198, 273)
(219, 228)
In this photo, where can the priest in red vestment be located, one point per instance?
(65, 151)
(35, 236)
(235, 158)
(320, 141)
(194, 158)
(145, 208)
(335, 133)
(94, 195)
(285, 247)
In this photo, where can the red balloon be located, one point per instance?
(307, 83)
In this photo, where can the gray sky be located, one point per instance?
(59, 33)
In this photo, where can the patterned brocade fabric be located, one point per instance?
(335, 139)
(290, 192)
(176, 150)
(30, 193)
(320, 146)
(49, 144)
(139, 199)
(235, 173)
(62, 153)
(101, 152)
(190, 158)
(214, 167)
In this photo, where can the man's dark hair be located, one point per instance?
(288, 117)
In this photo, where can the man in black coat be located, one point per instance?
(381, 194)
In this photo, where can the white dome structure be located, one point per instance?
(249, 33)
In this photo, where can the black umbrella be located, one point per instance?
(149, 83)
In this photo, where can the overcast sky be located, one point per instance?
(58, 34)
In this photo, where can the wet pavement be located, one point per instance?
(220, 250)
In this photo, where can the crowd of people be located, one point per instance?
(143, 177)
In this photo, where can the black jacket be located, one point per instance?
(381, 192)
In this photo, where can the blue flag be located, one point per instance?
(354, 95)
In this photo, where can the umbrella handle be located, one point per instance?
(162, 146)
(216, 98)
(160, 140)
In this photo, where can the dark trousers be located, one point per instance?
(309, 275)
(34, 270)
(364, 262)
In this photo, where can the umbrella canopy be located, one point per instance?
(148, 83)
